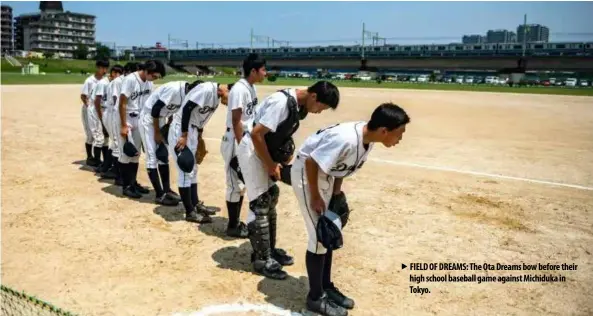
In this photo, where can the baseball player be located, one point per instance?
(317, 173)
(162, 103)
(262, 150)
(95, 116)
(186, 131)
(135, 90)
(242, 102)
(85, 96)
(112, 117)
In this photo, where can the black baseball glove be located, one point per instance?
(339, 205)
(283, 154)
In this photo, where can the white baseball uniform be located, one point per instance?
(93, 117)
(270, 113)
(87, 89)
(171, 94)
(339, 152)
(205, 95)
(242, 96)
(137, 92)
(111, 114)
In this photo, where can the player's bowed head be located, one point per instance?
(152, 70)
(387, 125)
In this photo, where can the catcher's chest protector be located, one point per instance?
(287, 128)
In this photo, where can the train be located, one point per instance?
(383, 51)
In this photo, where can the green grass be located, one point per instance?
(75, 78)
(54, 65)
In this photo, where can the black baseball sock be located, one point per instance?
(124, 169)
(232, 209)
(165, 177)
(97, 153)
(106, 158)
(327, 270)
(153, 175)
(186, 199)
(89, 150)
(115, 160)
(194, 194)
(133, 172)
(314, 263)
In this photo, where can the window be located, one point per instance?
(334, 49)
(517, 46)
(458, 47)
(391, 48)
(441, 48)
(376, 49)
(407, 48)
(322, 49)
(285, 50)
(348, 49)
(297, 50)
(560, 46)
(538, 46)
(478, 47)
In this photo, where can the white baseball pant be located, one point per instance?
(300, 186)
(96, 127)
(134, 138)
(113, 129)
(228, 150)
(184, 180)
(150, 145)
(257, 179)
(85, 124)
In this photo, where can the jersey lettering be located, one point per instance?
(173, 107)
(206, 109)
(250, 107)
(137, 94)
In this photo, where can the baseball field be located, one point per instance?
(479, 177)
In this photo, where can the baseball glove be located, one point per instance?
(283, 154)
(201, 152)
(339, 205)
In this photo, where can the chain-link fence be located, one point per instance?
(15, 303)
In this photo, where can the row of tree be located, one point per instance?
(83, 52)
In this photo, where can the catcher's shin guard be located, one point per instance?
(259, 229)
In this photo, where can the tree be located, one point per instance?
(48, 55)
(103, 52)
(81, 52)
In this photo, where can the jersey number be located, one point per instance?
(325, 129)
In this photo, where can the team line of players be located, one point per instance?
(122, 114)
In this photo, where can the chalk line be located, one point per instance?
(475, 173)
(225, 309)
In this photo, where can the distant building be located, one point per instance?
(7, 44)
(473, 39)
(500, 36)
(53, 30)
(535, 33)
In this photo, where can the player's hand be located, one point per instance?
(274, 171)
(317, 203)
(124, 131)
(181, 143)
(158, 138)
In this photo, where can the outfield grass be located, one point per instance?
(55, 65)
(16, 78)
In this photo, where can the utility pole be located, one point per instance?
(251, 39)
(363, 33)
(374, 36)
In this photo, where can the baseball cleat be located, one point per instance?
(238, 232)
(202, 209)
(269, 268)
(337, 297)
(166, 200)
(91, 162)
(108, 175)
(282, 257)
(174, 195)
(119, 182)
(196, 217)
(131, 192)
(139, 188)
(326, 307)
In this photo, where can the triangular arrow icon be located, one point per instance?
(403, 266)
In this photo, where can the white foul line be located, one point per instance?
(475, 173)
(226, 309)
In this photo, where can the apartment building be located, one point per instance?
(54, 30)
(7, 45)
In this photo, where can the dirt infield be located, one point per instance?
(75, 242)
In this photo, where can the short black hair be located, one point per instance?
(117, 68)
(327, 93)
(131, 67)
(190, 86)
(252, 61)
(102, 63)
(230, 86)
(154, 66)
(388, 115)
